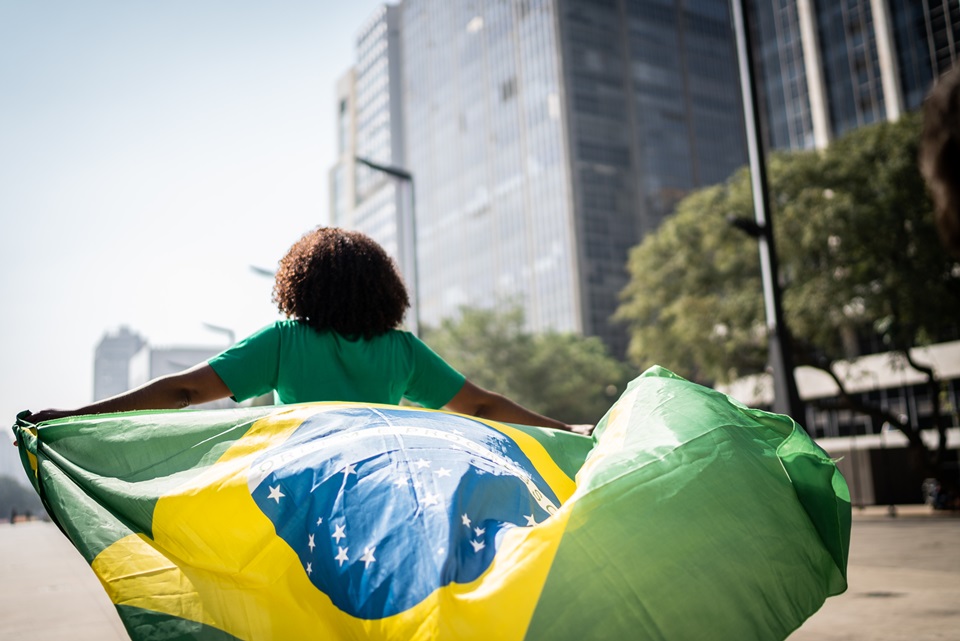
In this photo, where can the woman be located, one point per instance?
(344, 300)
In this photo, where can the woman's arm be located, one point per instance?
(482, 403)
(199, 384)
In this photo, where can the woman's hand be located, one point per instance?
(582, 428)
(46, 415)
(39, 417)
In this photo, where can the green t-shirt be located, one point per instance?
(304, 365)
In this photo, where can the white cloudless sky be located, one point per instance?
(150, 153)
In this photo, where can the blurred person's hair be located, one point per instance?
(940, 155)
(333, 279)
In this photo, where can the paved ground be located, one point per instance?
(48, 592)
(904, 584)
(904, 581)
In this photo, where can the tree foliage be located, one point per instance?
(18, 499)
(860, 262)
(562, 375)
(692, 301)
(859, 259)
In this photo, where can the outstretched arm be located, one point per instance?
(482, 403)
(199, 384)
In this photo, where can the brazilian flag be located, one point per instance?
(687, 516)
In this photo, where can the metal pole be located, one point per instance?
(411, 225)
(786, 398)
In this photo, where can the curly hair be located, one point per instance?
(333, 279)
(940, 155)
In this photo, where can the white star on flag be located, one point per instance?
(349, 469)
(339, 533)
(276, 494)
(309, 568)
(465, 519)
(310, 543)
(442, 472)
(367, 557)
(442, 551)
(341, 555)
(421, 464)
(400, 482)
(477, 545)
(431, 499)
(320, 520)
(479, 531)
(530, 519)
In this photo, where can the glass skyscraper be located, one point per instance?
(370, 126)
(547, 137)
(829, 66)
(927, 38)
(652, 107)
(482, 94)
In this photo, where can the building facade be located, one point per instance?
(545, 138)
(341, 178)
(548, 137)
(651, 111)
(370, 126)
(486, 143)
(830, 66)
(111, 362)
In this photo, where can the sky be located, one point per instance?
(150, 154)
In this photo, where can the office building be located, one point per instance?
(341, 177)
(828, 67)
(111, 363)
(545, 138)
(370, 126)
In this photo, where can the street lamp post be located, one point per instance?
(786, 399)
(406, 234)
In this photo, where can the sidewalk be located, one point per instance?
(48, 592)
(904, 584)
(904, 580)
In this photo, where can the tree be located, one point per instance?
(860, 262)
(562, 375)
(692, 301)
(17, 499)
